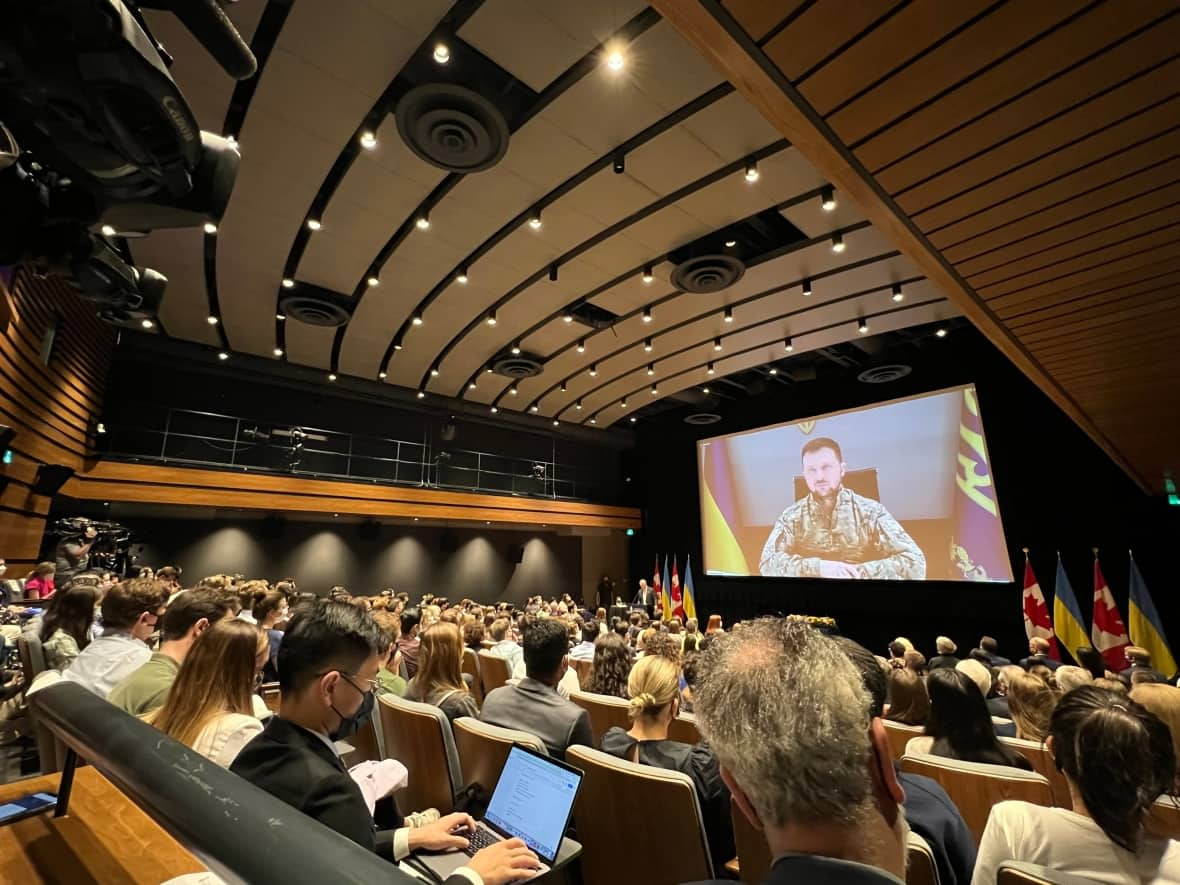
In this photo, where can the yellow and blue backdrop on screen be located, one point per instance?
(911, 482)
(1147, 630)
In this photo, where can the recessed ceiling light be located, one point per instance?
(288, 283)
(210, 227)
(898, 295)
(280, 317)
(941, 333)
(108, 231)
(331, 376)
(751, 171)
(148, 324)
(423, 222)
(442, 54)
(837, 243)
(368, 140)
(535, 219)
(862, 326)
(278, 351)
(417, 320)
(615, 60)
(827, 198)
(212, 320)
(729, 244)
(313, 224)
(461, 277)
(374, 281)
(581, 345)
(223, 355)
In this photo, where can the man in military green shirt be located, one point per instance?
(836, 533)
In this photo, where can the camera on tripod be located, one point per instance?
(98, 144)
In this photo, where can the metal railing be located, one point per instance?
(207, 439)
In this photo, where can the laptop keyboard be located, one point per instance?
(481, 838)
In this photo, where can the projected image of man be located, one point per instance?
(834, 532)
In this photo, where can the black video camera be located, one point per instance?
(97, 142)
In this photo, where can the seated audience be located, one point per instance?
(584, 650)
(192, 613)
(407, 645)
(654, 686)
(946, 649)
(786, 714)
(978, 673)
(916, 661)
(271, 610)
(1031, 702)
(40, 581)
(908, 702)
(1091, 659)
(1044, 674)
(389, 681)
(533, 705)
(1115, 685)
(209, 706)
(897, 650)
(131, 612)
(990, 652)
(692, 636)
(600, 616)
(1137, 657)
(1164, 702)
(439, 680)
(959, 726)
(612, 664)
(688, 681)
(328, 666)
(662, 645)
(65, 628)
(715, 625)
(473, 635)
(1117, 759)
(1038, 654)
(1069, 677)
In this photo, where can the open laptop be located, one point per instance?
(533, 801)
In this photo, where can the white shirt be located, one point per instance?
(223, 737)
(569, 682)
(583, 651)
(509, 651)
(1069, 843)
(104, 662)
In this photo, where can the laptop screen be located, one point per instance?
(533, 800)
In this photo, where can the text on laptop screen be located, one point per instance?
(532, 801)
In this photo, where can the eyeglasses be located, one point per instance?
(373, 685)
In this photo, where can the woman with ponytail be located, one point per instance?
(1118, 759)
(654, 687)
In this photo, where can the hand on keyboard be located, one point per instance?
(506, 861)
(445, 834)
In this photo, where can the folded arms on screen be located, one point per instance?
(858, 538)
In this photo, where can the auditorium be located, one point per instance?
(590, 442)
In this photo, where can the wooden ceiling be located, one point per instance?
(1026, 156)
(331, 71)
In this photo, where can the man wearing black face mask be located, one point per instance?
(328, 664)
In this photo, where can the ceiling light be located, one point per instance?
(535, 219)
(567, 317)
(898, 295)
(313, 224)
(212, 320)
(148, 324)
(471, 385)
(751, 171)
(210, 227)
(514, 390)
(534, 408)
(374, 281)
(461, 277)
(563, 386)
(716, 343)
(556, 422)
(331, 376)
(108, 231)
(773, 370)
(442, 54)
(729, 244)
(581, 345)
(862, 326)
(651, 368)
(382, 375)
(941, 333)
(516, 348)
(615, 60)
(647, 314)
(827, 198)
(397, 344)
(620, 164)
(623, 403)
(788, 346)
(232, 142)
(493, 410)
(648, 276)
(434, 371)
(421, 394)
(593, 420)
(594, 370)
(709, 370)
(278, 351)
(705, 390)
(491, 318)
(368, 140)
(633, 419)
(729, 314)
(647, 345)
(553, 275)
(837, 242)
(417, 319)
(223, 356)
(288, 283)
(423, 222)
(281, 317)
(578, 405)
(807, 288)
(654, 390)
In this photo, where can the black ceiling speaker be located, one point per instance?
(50, 478)
(522, 365)
(516, 554)
(316, 306)
(706, 274)
(452, 127)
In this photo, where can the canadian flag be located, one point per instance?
(1109, 633)
(1036, 612)
(677, 602)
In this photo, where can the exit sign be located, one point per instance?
(1170, 488)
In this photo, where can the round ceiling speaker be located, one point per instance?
(702, 418)
(313, 311)
(708, 273)
(883, 374)
(522, 366)
(452, 127)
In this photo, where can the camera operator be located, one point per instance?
(73, 554)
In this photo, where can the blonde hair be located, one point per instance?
(1164, 702)
(1069, 677)
(440, 660)
(653, 684)
(1031, 702)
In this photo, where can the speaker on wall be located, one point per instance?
(50, 478)
(516, 554)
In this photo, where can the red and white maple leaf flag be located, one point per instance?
(1037, 621)
(1109, 633)
(677, 602)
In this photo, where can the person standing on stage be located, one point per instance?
(645, 597)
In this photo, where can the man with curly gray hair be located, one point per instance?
(788, 718)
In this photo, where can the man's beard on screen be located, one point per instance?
(828, 493)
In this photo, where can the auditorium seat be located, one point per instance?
(1015, 872)
(899, 735)
(614, 809)
(605, 712)
(470, 666)
(483, 749)
(920, 866)
(270, 695)
(50, 752)
(753, 854)
(975, 787)
(1043, 764)
(365, 747)
(493, 672)
(583, 668)
(419, 736)
(684, 729)
(1164, 818)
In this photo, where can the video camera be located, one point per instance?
(97, 142)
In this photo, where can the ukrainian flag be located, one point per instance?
(723, 554)
(1067, 615)
(1147, 630)
(690, 596)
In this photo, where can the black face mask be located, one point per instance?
(350, 725)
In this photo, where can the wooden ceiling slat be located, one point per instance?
(1095, 304)
(1113, 346)
(820, 31)
(1022, 90)
(1145, 369)
(1150, 276)
(760, 17)
(1162, 303)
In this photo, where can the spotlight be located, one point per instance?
(751, 171)
(513, 390)
(581, 345)
(368, 140)
(647, 345)
(212, 321)
(648, 276)
(278, 351)
(567, 317)
(620, 164)
(534, 408)
(421, 394)
(578, 405)
(553, 277)
(288, 283)
(374, 281)
(491, 318)
(716, 343)
(941, 333)
(223, 356)
(493, 410)
(593, 420)
(461, 277)
(647, 314)
(516, 348)
(655, 389)
(651, 368)
(773, 370)
(709, 370)
(535, 219)
(233, 142)
(148, 324)
(837, 242)
(397, 344)
(633, 420)
(563, 386)
(108, 231)
(827, 198)
(729, 244)
(729, 314)
(331, 376)
(788, 346)
(382, 375)
(281, 317)
(423, 222)
(862, 326)
(210, 227)
(594, 370)
(615, 60)
(556, 422)
(417, 319)
(442, 54)
(313, 224)
(623, 403)
(807, 288)
(705, 391)
(434, 371)
(471, 385)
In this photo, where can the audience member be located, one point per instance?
(991, 652)
(209, 706)
(584, 650)
(786, 714)
(389, 680)
(39, 585)
(131, 612)
(978, 673)
(692, 636)
(612, 663)
(439, 680)
(715, 625)
(271, 610)
(909, 703)
(1069, 677)
(897, 650)
(190, 614)
(654, 687)
(505, 647)
(65, 628)
(946, 649)
(1164, 702)
(1038, 653)
(916, 661)
(328, 665)
(1044, 674)
(473, 635)
(1117, 759)
(959, 726)
(533, 705)
(1091, 659)
(1031, 702)
(1115, 685)
(407, 644)
(662, 645)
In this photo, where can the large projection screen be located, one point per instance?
(900, 491)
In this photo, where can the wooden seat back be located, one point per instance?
(483, 749)
(899, 735)
(1163, 819)
(583, 668)
(470, 665)
(419, 736)
(493, 672)
(920, 867)
(753, 853)
(605, 712)
(1042, 762)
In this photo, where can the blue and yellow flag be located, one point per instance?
(690, 596)
(1147, 630)
(666, 596)
(977, 550)
(1067, 615)
(723, 554)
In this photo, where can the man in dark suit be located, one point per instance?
(788, 719)
(989, 653)
(533, 704)
(645, 597)
(328, 663)
(1038, 653)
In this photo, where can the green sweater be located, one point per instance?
(147, 688)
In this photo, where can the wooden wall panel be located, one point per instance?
(52, 408)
